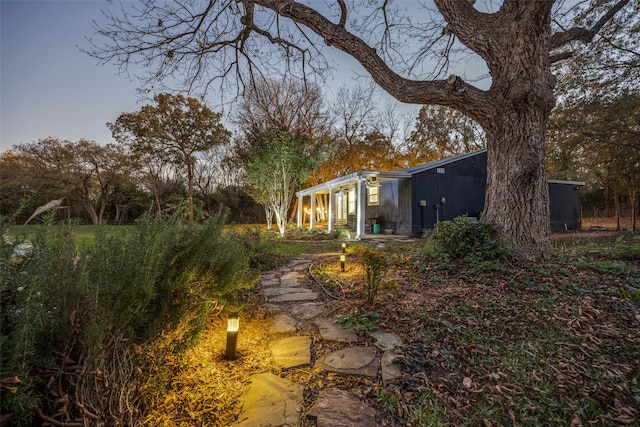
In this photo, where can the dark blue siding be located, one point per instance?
(462, 183)
(564, 204)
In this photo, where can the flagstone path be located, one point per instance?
(298, 323)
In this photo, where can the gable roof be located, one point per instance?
(352, 178)
(443, 162)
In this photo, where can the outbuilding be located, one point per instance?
(408, 201)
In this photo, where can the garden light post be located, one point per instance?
(343, 258)
(344, 248)
(233, 324)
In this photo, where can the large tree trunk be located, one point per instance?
(517, 192)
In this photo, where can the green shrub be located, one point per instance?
(375, 265)
(466, 240)
(90, 305)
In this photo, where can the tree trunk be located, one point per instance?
(268, 213)
(190, 195)
(616, 203)
(517, 195)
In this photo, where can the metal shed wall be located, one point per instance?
(462, 184)
(564, 203)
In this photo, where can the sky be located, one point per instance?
(49, 88)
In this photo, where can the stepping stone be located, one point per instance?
(354, 360)
(274, 308)
(386, 340)
(306, 310)
(271, 401)
(268, 282)
(296, 263)
(331, 331)
(390, 371)
(292, 351)
(339, 408)
(296, 296)
(283, 324)
(289, 280)
(273, 292)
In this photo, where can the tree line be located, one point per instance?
(175, 154)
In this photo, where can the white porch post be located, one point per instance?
(300, 199)
(331, 216)
(312, 215)
(360, 208)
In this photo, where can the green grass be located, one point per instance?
(81, 233)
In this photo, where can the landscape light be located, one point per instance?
(233, 325)
(344, 248)
(343, 258)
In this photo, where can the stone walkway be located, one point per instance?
(274, 401)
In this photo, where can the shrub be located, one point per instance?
(73, 317)
(375, 265)
(463, 239)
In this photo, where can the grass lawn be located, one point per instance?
(82, 233)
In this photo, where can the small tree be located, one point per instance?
(277, 164)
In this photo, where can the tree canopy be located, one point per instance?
(175, 129)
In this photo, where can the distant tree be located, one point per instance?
(83, 172)
(598, 137)
(442, 132)
(277, 164)
(174, 129)
(18, 186)
(374, 152)
(282, 105)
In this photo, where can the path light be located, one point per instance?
(343, 258)
(344, 248)
(233, 324)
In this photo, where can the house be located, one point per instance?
(408, 201)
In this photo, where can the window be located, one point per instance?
(341, 207)
(351, 200)
(373, 195)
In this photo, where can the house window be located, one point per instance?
(373, 195)
(341, 207)
(351, 201)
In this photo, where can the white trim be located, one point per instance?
(561, 181)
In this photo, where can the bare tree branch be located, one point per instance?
(585, 35)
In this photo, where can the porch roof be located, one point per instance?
(351, 180)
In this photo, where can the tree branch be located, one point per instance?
(465, 97)
(585, 35)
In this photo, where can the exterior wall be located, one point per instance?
(462, 185)
(564, 206)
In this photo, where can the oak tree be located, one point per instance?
(518, 40)
(175, 129)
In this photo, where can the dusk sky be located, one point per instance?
(49, 88)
